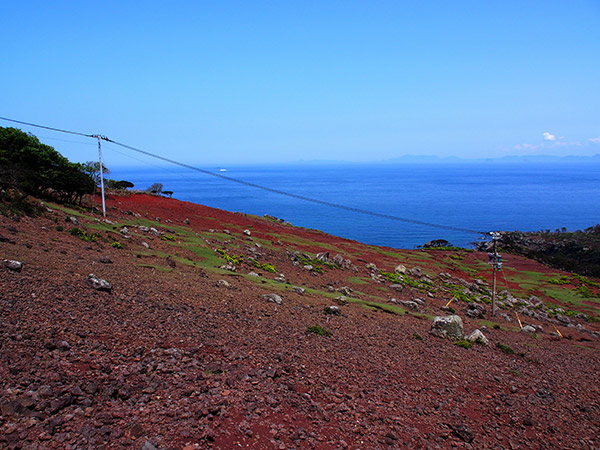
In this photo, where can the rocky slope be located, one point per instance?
(184, 350)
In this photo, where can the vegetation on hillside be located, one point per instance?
(577, 251)
(30, 168)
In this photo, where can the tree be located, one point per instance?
(169, 193)
(92, 168)
(156, 188)
(123, 184)
(33, 168)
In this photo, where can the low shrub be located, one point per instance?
(319, 330)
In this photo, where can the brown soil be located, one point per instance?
(172, 359)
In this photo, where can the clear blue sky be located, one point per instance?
(276, 81)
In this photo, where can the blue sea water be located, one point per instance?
(474, 196)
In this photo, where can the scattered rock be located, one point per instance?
(11, 264)
(98, 283)
(274, 298)
(409, 304)
(400, 268)
(333, 310)
(416, 272)
(253, 274)
(447, 326)
(338, 260)
(463, 432)
(280, 278)
(528, 329)
(477, 337)
(247, 232)
(170, 262)
(105, 260)
(397, 287)
(298, 290)
(224, 284)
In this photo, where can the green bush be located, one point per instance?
(463, 343)
(117, 245)
(505, 348)
(319, 330)
(83, 235)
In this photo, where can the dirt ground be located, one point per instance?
(178, 355)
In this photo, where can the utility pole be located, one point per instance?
(496, 261)
(101, 172)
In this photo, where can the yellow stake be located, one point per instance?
(559, 333)
(520, 324)
(448, 304)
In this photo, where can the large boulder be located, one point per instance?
(447, 326)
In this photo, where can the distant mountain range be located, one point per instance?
(431, 159)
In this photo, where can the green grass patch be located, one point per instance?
(318, 330)
(463, 343)
(505, 348)
(358, 280)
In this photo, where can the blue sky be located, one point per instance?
(257, 82)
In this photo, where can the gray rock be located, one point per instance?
(535, 301)
(409, 304)
(416, 272)
(475, 311)
(397, 287)
(338, 260)
(74, 221)
(308, 267)
(274, 298)
(400, 268)
(345, 290)
(333, 310)
(298, 290)
(447, 326)
(477, 337)
(224, 284)
(145, 244)
(247, 232)
(253, 274)
(280, 278)
(13, 265)
(98, 283)
(419, 301)
(143, 228)
(528, 329)
(563, 319)
(323, 256)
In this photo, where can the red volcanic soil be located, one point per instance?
(181, 356)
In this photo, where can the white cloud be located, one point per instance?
(549, 137)
(595, 140)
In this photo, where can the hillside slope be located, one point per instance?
(183, 351)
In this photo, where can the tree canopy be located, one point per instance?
(33, 168)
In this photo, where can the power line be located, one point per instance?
(258, 186)
(47, 128)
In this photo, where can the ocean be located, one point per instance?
(474, 196)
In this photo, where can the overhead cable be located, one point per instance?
(264, 188)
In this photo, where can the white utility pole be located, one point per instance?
(101, 174)
(496, 260)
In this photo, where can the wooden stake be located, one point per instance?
(520, 324)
